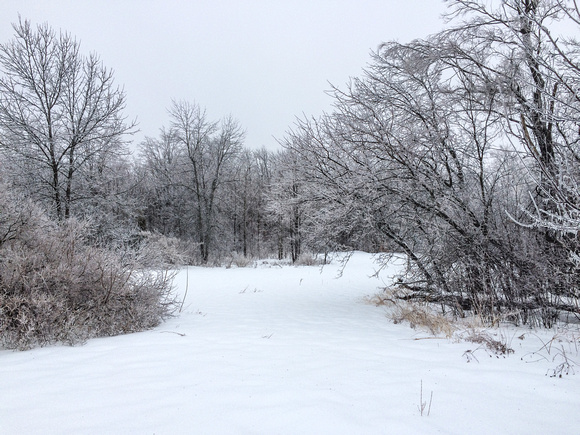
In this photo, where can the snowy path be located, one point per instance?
(281, 351)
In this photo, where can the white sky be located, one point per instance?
(262, 61)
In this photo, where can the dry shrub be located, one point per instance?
(563, 349)
(483, 338)
(56, 288)
(381, 299)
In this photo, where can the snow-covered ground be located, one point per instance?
(287, 350)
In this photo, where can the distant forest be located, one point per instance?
(460, 150)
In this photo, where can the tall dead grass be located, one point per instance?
(426, 317)
(417, 315)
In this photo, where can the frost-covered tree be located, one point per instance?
(210, 148)
(163, 198)
(60, 112)
(186, 173)
(535, 73)
(245, 204)
(442, 148)
(172, 206)
(283, 205)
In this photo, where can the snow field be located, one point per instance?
(284, 350)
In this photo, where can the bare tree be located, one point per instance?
(59, 112)
(164, 199)
(244, 204)
(416, 152)
(535, 72)
(287, 203)
(171, 205)
(210, 147)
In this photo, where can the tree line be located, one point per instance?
(459, 150)
(64, 145)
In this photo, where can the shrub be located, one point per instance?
(238, 260)
(155, 249)
(56, 288)
(308, 259)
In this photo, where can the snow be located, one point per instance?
(287, 350)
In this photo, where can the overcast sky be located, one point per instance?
(262, 61)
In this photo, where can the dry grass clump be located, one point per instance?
(418, 316)
(562, 349)
(423, 317)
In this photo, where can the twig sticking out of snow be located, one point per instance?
(423, 405)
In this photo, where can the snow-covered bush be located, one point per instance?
(309, 259)
(55, 287)
(155, 249)
(238, 260)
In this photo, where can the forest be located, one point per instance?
(460, 151)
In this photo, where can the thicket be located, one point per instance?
(57, 288)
